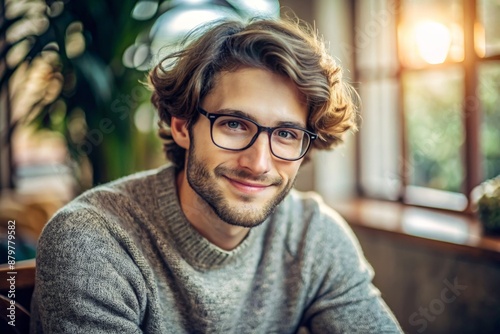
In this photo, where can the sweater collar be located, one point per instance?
(193, 247)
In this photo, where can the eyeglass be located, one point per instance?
(237, 133)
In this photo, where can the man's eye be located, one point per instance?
(233, 124)
(285, 134)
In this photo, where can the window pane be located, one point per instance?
(489, 88)
(374, 36)
(379, 139)
(488, 28)
(434, 128)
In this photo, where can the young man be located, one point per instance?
(217, 241)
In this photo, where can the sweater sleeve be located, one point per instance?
(345, 300)
(86, 282)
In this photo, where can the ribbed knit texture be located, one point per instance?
(122, 258)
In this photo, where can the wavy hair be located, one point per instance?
(182, 79)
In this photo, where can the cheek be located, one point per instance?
(288, 170)
(201, 141)
(209, 154)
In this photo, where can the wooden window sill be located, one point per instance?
(447, 231)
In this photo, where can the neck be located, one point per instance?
(202, 217)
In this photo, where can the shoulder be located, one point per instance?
(114, 201)
(306, 212)
(75, 231)
(101, 214)
(135, 186)
(87, 261)
(316, 231)
(84, 240)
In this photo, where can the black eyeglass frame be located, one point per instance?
(213, 117)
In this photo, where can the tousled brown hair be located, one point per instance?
(182, 79)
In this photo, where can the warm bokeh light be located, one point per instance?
(433, 41)
(479, 39)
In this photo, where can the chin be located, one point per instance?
(244, 213)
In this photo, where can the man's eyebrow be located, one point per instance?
(291, 125)
(235, 112)
(240, 113)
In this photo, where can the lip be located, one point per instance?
(247, 187)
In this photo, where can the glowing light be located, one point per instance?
(433, 41)
(144, 10)
(179, 17)
(173, 25)
(480, 39)
(144, 118)
(261, 8)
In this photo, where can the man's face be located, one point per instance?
(244, 187)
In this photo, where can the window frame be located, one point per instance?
(471, 111)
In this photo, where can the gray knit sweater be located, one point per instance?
(122, 258)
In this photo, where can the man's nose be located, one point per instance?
(258, 157)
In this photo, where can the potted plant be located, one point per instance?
(486, 200)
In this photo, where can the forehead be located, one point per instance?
(267, 97)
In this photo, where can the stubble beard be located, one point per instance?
(203, 183)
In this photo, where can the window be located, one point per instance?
(429, 78)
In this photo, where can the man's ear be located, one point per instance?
(180, 132)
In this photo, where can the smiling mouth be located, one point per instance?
(247, 187)
(245, 183)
